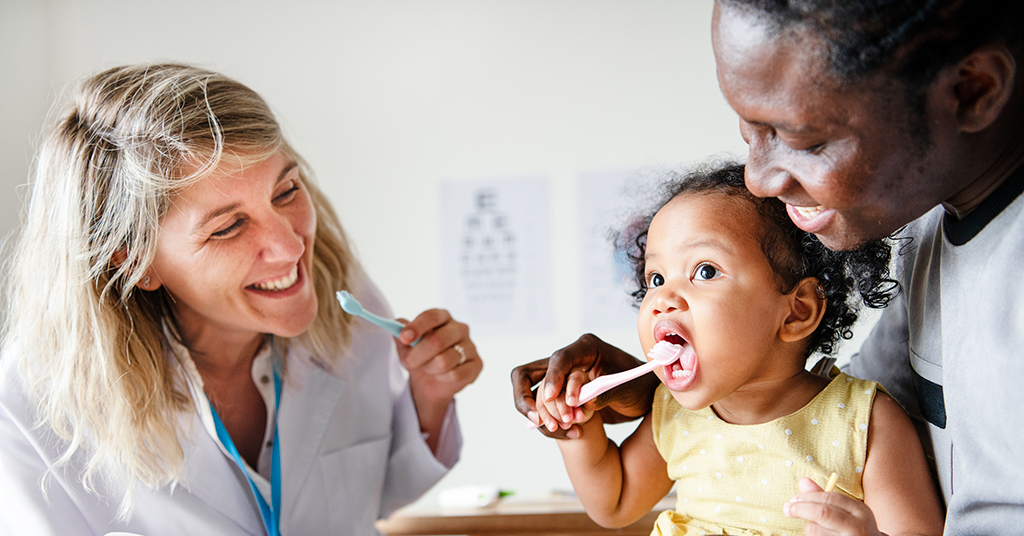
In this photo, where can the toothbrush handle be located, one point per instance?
(393, 327)
(603, 383)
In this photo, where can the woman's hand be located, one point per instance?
(440, 365)
(564, 373)
(830, 512)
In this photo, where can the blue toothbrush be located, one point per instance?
(352, 306)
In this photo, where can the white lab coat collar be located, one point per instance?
(215, 485)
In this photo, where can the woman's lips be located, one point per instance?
(281, 285)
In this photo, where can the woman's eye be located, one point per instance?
(655, 280)
(227, 230)
(706, 271)
(288, 194)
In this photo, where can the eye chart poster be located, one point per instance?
(495, 255)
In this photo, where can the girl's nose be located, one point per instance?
(669, 299)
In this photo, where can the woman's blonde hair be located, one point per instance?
(93, 347)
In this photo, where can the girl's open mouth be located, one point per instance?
(681, 373)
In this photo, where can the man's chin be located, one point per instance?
(844, 240)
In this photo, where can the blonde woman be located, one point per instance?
(174, 361)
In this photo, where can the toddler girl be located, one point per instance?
(739, 425)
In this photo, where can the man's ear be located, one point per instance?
(806, 307)
(982, 84)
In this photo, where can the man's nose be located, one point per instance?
(763, 176)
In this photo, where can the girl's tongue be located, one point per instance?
(681, 373)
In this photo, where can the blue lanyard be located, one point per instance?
(271, 519)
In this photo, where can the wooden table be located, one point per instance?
(510, 517)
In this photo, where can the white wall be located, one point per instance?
(23, 99)
(387, 98)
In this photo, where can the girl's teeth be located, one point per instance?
(681, 373)
(280, 284)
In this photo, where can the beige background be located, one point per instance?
(386, 99)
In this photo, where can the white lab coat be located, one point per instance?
(351, 453)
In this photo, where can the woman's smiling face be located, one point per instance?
(710, 284)
(235, 252)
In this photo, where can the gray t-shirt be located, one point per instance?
(951, 350)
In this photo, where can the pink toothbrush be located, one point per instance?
(663, 353)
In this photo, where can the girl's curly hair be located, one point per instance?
(793, 254)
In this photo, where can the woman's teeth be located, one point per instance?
(808, 212)
(280, 284)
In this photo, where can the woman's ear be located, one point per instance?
(982, 84)
(118, 258)
(806, 307)
(150, 280)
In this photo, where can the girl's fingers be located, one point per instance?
(575, 381)
(829, 512)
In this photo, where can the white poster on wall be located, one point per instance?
(607, 200)
(495, 256)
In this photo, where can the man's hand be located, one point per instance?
(560, 378)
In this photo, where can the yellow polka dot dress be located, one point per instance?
(734, 479)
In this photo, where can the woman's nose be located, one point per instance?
(280, 241)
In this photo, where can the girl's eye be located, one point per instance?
(706, 271)
(228, 230)
(655, 280)
(288, 194)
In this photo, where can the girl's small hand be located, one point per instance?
(830, 513)
(444, 360)
(542, 410)
(553, 409)
(564, 373)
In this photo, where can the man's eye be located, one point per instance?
(706, 271)
(655, 280)
(814, 149)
